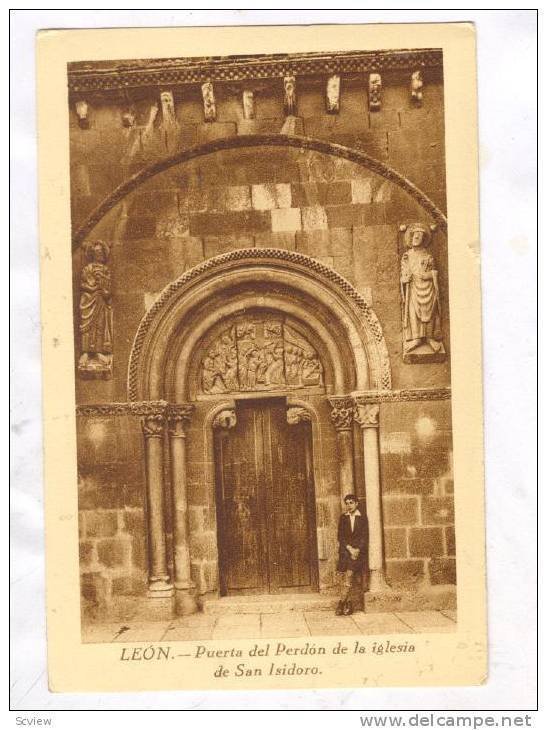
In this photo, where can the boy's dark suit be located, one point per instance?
(358, 538)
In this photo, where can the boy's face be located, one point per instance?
(351, 505)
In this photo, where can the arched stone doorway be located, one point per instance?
(254, 361)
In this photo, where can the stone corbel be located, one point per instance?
(226, 418)
(209, 105)
(128, 118)
(416, 86)
(82, 112)
(248, 104)
(289, 103)
(297, 414)
(168, 108)
(333, 94)
(374, 92)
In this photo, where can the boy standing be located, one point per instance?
(352, 539)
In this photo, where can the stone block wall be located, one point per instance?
(113, 549)
(418, 493)
(325, 207)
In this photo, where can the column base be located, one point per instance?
(377, 582)
(160, 587)
(185, 601)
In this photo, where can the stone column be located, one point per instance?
(185, 601)
(342, 417)
(367, 416)
(153, 425)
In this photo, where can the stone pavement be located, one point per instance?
(200, 626)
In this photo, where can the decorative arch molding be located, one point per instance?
(301, 274)
(259, 140)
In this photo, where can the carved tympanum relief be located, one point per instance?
(421, 307)
(259, 353)
(95, 310)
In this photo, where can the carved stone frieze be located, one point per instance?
(297, 414)
(209, 105)
(125, 75)
(256, 354)
(333, 94)
(95, 313)
(367, 414)
(421, 304)
(374, 92)
(225, 419)
(341, 413)
(416, 86)
(289, 102)
(409, 394)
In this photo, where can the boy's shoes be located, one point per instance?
(348, 609)
(340, 608)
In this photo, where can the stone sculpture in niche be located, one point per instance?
(416, 86)
(374, 92)
(333, 94)
(289, 83)
(422, 336)
(96, 312)
(258, 354)
(209, 106)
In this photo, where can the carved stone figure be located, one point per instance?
(289, 83)
(422, 337)
(209, 106)
(374, 92)
(416, 85)
(128, 118)
(259, 353)
(333, 94)
(96, 311)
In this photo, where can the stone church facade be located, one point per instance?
(261, 320)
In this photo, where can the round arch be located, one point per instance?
(259, 140)
(342, 320)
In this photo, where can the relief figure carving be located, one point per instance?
(95, 310)
(422, 336)
(259, 354)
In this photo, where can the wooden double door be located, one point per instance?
(265, 502)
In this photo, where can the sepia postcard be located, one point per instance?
(262, 357)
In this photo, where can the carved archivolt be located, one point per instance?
(325, 279)
(260, 353)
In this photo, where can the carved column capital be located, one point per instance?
(367, 414)
(225, 418)
(153, 426)
(297, 414)
(341, 412)
(178, 417)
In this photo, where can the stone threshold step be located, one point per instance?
(280, 603)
